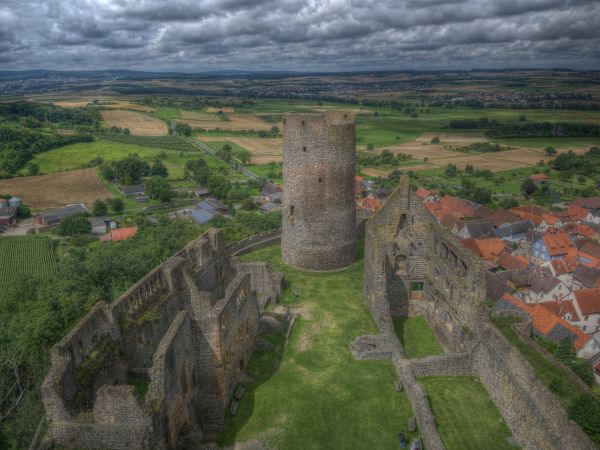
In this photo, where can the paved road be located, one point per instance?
(206, 148)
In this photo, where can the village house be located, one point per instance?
(578, 230)
(201, 216)
(539, 178)
(563, 269)
(552, 245)
(99, 224)
(213, 206)
(545, 322)
(132, 191)
(474, 229)
(507, 261)
(54, 217)
(585, 277)
(544, 287)
(489, 250)
(587, 305)
(514, 231)
(270, 192)
(592, 205)
(425, 195)
(368, 204)
(8, 216)
(449, 205)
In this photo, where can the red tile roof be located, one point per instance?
(423, 193)
(558, 243)
(510, 262)
(562, 266)
(486, 249)
(369, 204)
(120, 234)
(588, 300)
(544, 320)
(576, 212)
(538, 177)
(580, 229)
(561, 309)
(450, 205)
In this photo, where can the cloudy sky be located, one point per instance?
(199, 35)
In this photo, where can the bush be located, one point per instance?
(99, 208)
(585, 411)
(435, 140)
(76, 225)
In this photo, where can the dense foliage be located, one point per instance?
(165, 142)
(41, 112)
(586, 164)
(543, 129)
(76, 225)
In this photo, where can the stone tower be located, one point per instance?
(319, 161)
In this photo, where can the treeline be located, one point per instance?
(42, 112)
(522, 128)
(19, 145)
(543, 129)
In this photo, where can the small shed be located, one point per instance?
(8, 216)
(99, 224)
(14, 202)
(201, 216)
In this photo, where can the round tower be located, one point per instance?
(319, 163)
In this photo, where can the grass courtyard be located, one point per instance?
(312, 394)
(465, 414)
(416, 337)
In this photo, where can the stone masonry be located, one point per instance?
(182, 336)
(413, 266)
(319, 163)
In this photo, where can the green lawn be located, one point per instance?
(416, 337)
(313, 394)
(168, 113)
(465, 415)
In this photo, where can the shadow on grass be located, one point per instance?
(263, 364)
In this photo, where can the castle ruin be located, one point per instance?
(319, 163)
(157, 368)
(413, 266)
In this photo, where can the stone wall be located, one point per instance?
(187, 329)
(319, 163)
(404, 245)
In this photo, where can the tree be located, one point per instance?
(159, 170)
(244, 156)
(275, 130)
(99, 208)
(158, 188)
(33, 169)
(528, 187)
(585, 411)
(76, 225)
(435, 140)
(370, 146)
(550, 151)
(107, 172)
(131, 169)
(225, 153)
(451, 171)
(116, 204)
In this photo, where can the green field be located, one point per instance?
(416, 337)
(24, 256)
(80, 155)
(312, 394)
(465, 415)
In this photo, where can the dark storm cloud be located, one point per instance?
(197, 35)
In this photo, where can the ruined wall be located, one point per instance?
(401, 236)
(319, 163)
(186, 329)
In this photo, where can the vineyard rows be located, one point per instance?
(25, 255)
(162, 142)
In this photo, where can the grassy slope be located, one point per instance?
(25, 255)
(314, 393)
(465, 414)
(416, 337)
(558, 382)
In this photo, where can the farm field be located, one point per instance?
(465, 415)
(57, 189)
(263, 150)
(138, 123)
(235, 122)
(25, 256)
(314, 383)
